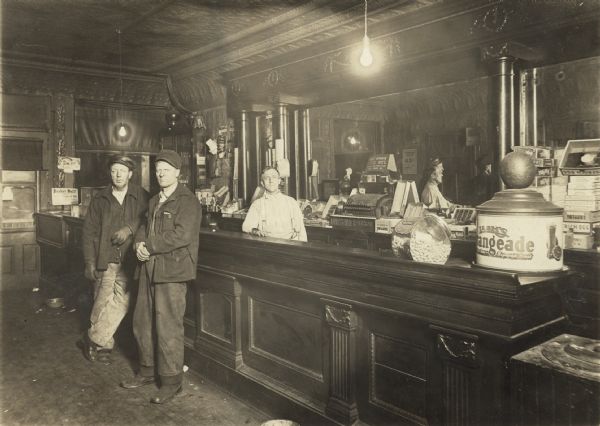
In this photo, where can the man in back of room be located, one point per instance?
(113, 218)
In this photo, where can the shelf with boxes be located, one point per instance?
(581, 166)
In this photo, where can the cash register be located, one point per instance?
(361, 211)
(374, 199)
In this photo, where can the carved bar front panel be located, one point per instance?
(326, 335)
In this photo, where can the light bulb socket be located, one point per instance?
(122, 132)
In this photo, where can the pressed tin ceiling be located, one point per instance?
(182, 37)
(295, 47)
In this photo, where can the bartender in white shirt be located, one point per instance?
(274, 214)
(431, 195)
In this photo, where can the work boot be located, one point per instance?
(103, 356)
(166, 393)
(90, 349)
(137, 381)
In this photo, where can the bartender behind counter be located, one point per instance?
(274, 214)
(431, 195)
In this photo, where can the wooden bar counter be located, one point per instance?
(323, 334)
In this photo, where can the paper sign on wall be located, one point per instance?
(64, 196)
(283, 167)
(315, 168)
(409, 161)
(279, 149)
(69, 164)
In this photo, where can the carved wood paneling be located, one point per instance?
(7, 256)
(460, 373)
(398, 377)
(31, 258)
(217, 317)
(270, 325)
(59, 134)
(457, 395)
(342, 322)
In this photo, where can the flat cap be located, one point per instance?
(169, 156)
(122, 159)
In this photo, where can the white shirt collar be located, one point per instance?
(166, 192)
(268, 195)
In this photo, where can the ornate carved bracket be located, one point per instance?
(340, 315)
(512, 50)
(456, 348)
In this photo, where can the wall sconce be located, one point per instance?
(171, 119)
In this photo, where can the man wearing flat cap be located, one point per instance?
(168, 250)
(113, 218)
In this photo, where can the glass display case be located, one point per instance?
(19, 199)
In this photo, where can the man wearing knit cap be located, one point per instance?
(113, 218)
(168, 250)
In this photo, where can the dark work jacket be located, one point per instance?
(98, 228)
(173, 244)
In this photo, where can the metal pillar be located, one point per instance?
(506, 106)
(244, 155)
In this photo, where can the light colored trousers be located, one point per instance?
(111, 302)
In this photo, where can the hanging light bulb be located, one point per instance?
(366, 57)
(122, 132)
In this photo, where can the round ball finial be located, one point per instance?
(517, 170)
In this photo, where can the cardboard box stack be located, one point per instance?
(582, 211)
(581, 217)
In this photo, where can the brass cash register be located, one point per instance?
(361, 210)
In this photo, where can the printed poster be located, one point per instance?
(64, 196)
(409, 161)
(69, 164)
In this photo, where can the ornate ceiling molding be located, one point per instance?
(101, 87)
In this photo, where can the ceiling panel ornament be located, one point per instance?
(273, 79)
(509, 15)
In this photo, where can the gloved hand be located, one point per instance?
(120, 236)
(90, 271)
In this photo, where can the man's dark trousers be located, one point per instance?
(168, 301)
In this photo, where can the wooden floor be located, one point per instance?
(46, 381)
